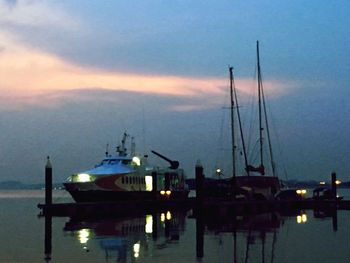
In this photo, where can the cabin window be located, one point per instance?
(122, 180)
(126, 180)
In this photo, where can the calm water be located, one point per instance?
(170, 236)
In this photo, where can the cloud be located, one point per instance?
(31, 76)
(35, 13)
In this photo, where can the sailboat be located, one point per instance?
(255, 182)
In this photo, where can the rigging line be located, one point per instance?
(240, 126)
(273, 166)
(232, 125)
(252, 116)
(260, 111)
(278, 142)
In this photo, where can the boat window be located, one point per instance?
(126, 180)
(122, 180)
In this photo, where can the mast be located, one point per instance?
(260, 111)
(232, 125)
(240, 126)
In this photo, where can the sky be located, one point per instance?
(74, 75)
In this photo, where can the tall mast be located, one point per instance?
(232, 125)
(240, 126)
(260, 111)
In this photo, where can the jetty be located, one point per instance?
(203, 204)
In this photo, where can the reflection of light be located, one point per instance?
(136, 160)
(82, 178)
(83, 235)
(162, 217)
(168, 215)
(136, 249)
(301, 218)
(337, 182)
(149, 224)
(162, 192)
(149, 182)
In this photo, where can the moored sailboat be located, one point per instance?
(257, 184)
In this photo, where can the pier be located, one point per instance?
(205, 205)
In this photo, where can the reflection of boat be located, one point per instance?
(127, 177)
(129, 236)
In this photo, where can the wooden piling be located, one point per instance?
(48, 182)
(334, 185)
(200, 178)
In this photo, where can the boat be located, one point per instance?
(254, 184)
(258, 184)
(125, 176)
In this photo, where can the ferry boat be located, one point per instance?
(124, 176)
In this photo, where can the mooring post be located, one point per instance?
(48, 182)
(200, 178)
(334, 185)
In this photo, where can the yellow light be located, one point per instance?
(162, 192)
(162, 217)
(82, 178)
(149, 183)
(337, 182)
(304, 218)
(149, 224)
(301, 191)
(83, 235)
(168, 192)
(168, 215)
(301, 218)
(136, 160)
(136, 249)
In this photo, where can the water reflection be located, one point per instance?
(243, 238)
(128, 237)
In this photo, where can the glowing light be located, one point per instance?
(322, 183)
(149, 224)
(149, 183)
(162, 217)
(136, 248)
(218, 170)
(83, 235)
(301, 191)
(337, 182)
(168, 192)
(162, 192)
(168, 215)
(301, 218)
(83, 178)
(136, 160)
